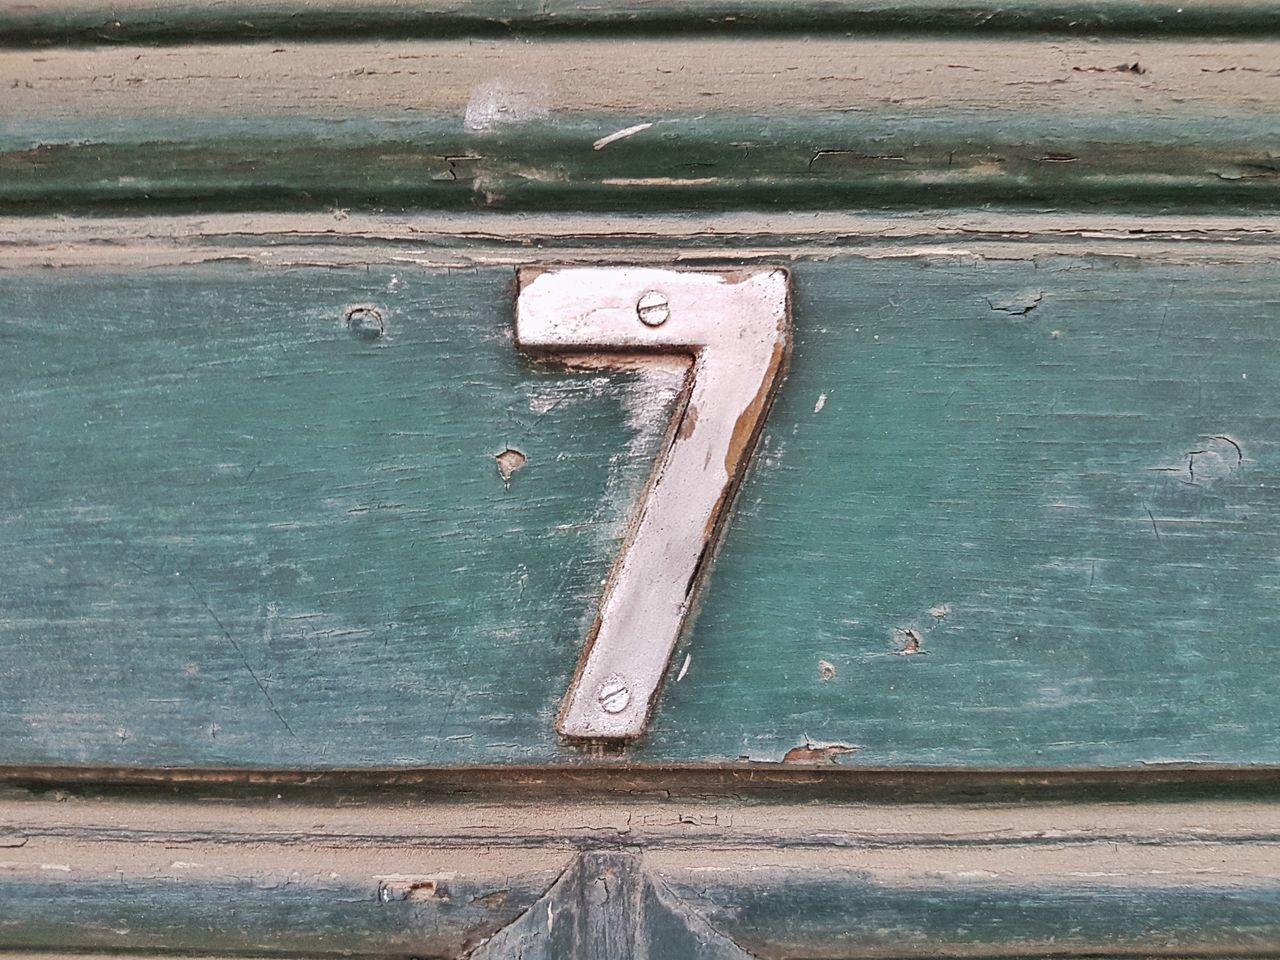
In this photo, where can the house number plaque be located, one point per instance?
(735, 327)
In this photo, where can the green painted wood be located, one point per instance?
(761, 123)
(852, 913)
(892, 157)
(1006, 513)
(638, 875)
(286, 909)
(131, 21)
(385, 562)
(626, 905)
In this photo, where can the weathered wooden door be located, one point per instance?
(348, 348)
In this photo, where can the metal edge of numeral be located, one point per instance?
(735, 327)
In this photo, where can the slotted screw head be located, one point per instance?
(652, 308)
(614, 696)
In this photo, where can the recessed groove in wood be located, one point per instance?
(756, 781)
(120, 239)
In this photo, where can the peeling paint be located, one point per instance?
(811, 752)
(508, 462)
(1017, 304)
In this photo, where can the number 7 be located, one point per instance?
(735, 327)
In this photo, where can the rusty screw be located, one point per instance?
(614, 696)
(653, 309)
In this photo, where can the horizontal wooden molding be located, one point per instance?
(458, 239)
(437, 878)
(685, 124)
(94, 22)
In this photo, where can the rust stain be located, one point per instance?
(688, 423)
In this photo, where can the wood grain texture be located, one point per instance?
(777, 123)
(1020, 505)
(95, 22)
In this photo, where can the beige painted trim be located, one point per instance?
(447, 240)
(491, 83)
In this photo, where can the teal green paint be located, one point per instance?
(892, 157)
(231, 526)
(94, 22)
(851, 913)
(821, 911)
(202, 454)
(308, 913)
(970, 460)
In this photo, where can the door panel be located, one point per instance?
(1008, 511)
(299, 547)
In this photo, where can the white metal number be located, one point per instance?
(735, 327)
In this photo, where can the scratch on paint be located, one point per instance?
(620, 135)
(1154, 528)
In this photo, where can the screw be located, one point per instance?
(614, 697)
(365, 322)
(653, 309)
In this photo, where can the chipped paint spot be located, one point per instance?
(684, 667)
(910, 641)
(509, 461)
(620, 135)
(822, 402)
(826, 670)
(399, 887)
(810, 752)
(1017, 304)
(500, 103)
